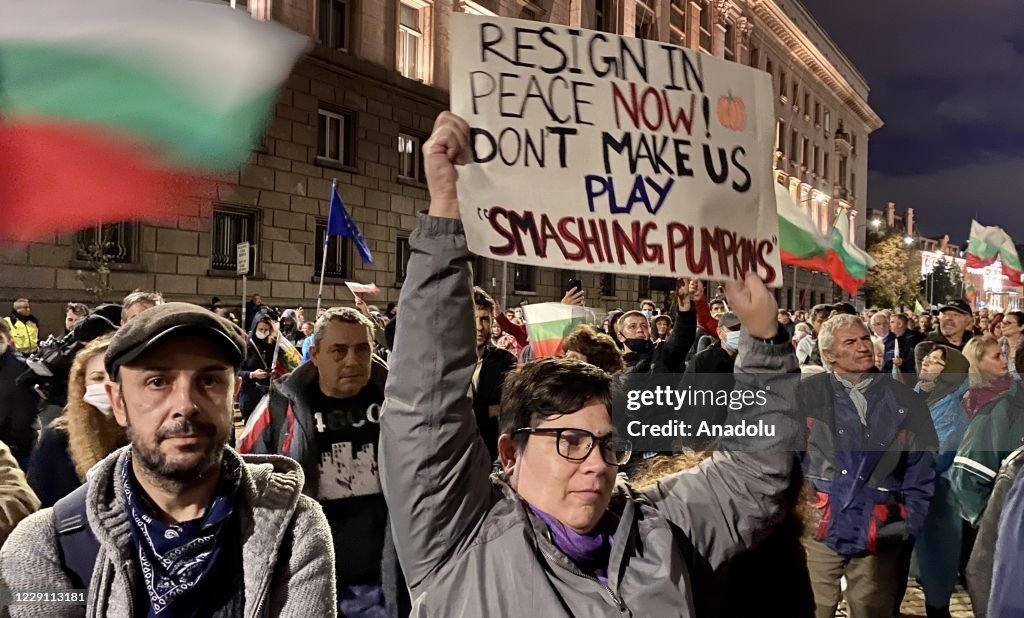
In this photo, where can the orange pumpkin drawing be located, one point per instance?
(732, 112)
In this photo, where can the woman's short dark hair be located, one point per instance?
(599, 348)
(548, 388)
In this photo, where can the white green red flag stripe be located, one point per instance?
(990, 243)
(105, 104)
(547, 324)
(802, 244)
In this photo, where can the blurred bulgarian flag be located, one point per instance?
(109, 109)
(548, 323)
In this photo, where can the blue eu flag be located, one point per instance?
(340, 224)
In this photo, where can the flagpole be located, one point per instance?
(323, 261)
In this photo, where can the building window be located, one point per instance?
(410, 163)
(607, 284)
(795, 98)
(806, 154)
(524, 278)
(644, 288)
(402, 253)
(853, 141)
(825, 166)
(807, 102)
(817, 114)
(410, 39)
(769, 67)
(603, 16)
(332, 23)
(780, 137)
(705, 29)
(782, 84)
(794, 146)
(337, 253)
(842, 172)
(730, 41)
(677, 23)
(644, 24)
(230, 226)
(112, 243)
(755, 57)
(814, 163)
(335, 137)
(828, 121)
(474, 8)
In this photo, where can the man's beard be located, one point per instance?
(155, 461)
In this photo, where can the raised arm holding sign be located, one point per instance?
(494, 546)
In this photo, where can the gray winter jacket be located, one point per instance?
(467, 543)
(286, 548)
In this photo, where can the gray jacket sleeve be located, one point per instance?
(728, 502)
(434, 466)
(310, 584)
(29, 562)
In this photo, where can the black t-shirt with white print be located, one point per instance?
(347, 432)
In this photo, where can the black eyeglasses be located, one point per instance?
(576, 444)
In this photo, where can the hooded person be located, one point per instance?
(943, 381)
(256, 370)
(290, 325)
(86, 433)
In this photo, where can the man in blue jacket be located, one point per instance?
(870, 463)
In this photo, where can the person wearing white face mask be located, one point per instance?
(86, 433)
(258, 364)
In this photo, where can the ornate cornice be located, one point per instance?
(782, 28)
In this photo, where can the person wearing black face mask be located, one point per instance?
(668, 356)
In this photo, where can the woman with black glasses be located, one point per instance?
(556, 532)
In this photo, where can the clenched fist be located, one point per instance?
(447, 147)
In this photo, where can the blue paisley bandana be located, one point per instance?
(175, 558)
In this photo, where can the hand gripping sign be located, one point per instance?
(606, 153)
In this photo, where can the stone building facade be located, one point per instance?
(356, 110)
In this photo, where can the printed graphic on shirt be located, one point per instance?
(344, 474)
(347, 438)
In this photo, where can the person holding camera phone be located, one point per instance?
(256, 370)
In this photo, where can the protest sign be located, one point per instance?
(597, 152)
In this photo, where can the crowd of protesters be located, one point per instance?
(434, 465)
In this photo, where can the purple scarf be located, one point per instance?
(590, 552)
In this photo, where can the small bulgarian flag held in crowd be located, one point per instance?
(547, 324)
(896, 373)
(111, 110)
(286, 357)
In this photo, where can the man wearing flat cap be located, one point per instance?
(956, 323)
(177, 523)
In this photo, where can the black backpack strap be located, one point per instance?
(76, 543)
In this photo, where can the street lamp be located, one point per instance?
(908, 240)
(876, 223)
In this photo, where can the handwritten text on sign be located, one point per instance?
(606, 153)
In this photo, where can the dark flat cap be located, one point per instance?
(169, 320)
(959, 305)
(844, 308)
(729, 320)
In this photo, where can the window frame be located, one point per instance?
(402, 253)
(346, 21)
(607, 285)
(132, 253)
(406, 32)
(226, 264)
(342, 251)
(525, 283)
(346, 138)
(677, 8)
(419, 175)
(704, 33)
(644, 6)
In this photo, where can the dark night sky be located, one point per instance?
(947, 77)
